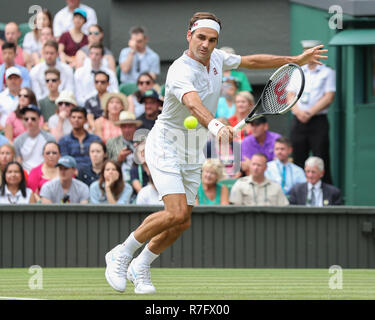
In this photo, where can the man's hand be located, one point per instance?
(123, 154)
(131, 45)
(312, 55)
(225, 134)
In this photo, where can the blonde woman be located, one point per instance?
(210, 192)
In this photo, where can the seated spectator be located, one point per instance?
(76, 144)
(46, 34)
(139, 173)
(121, 148)
(13, 187)
(95, 36)
(244, 102)
(228, 153)
(32, 43)
(7, 154)
(65, 188)
(84, 76)
(9, 97)
(210, 192)
(226, 106)
(280, 170)
(145, 82)
(148, 195)
(46, 171)
(256, 189)
(153, 105)
(74, 39)
(63, 20)
(12, 34)
(59, 124)
(93, 105)
(48, 104)
(98, 155)
(37, 73)
(29, 145)
(241, 78)
(315, 192)
(8, 55)
(105, 126)
(14, 125)
(260, 141)
(138, 57)
(110, 188)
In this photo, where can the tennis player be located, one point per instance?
(192, 88)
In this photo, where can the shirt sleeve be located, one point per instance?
(123, 55)
(181, 81)
(230, 61)
(93, 191)
(85, 192)
(235, 194)
(125, 195)
(45, 191)
(331, 81)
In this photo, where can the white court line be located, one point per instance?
(17, 298)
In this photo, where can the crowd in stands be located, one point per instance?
(70, 125)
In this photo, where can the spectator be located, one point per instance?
(256, 189)
(310, 127)
(7, 154)
(138, 57)
(9, 97)
(48, 104)
(13, 186)
(95, 36)
(210, 192)
(226, 106)
(110, 188)
(63, 20)
(121, 148)
(76, 144)
(98, 155)
(113, 104)
(148, 195)
(315, 192)
(139, 173)
(74, 39)
(145, 82)
(46, 34)
(84, 76)
(37, 73)
(46, 171)
(32, 43)
(244, 102)
(260, 141)
(29, 145)
(8, 54)
(14, 125)
(241, 78)
(153, 105)
(12, 34)
(65, 188)
(59, 123)
(93, 105)
(280, 170)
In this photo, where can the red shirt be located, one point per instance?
(71, 47)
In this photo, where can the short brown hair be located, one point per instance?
(284, 140)
(97, 46)
(203, 15)
(51, 43)
(54, 71)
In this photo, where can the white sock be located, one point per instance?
(146, 257)
(130, 245)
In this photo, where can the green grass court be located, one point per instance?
(193, 284)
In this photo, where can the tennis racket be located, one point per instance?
(273, 100)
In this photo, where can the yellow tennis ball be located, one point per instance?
(190, 122)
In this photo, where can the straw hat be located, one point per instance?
(109, 95)
(66, 96)
(128, 117)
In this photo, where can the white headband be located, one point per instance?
(206, 23)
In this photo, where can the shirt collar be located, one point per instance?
(317, 185)
(8, 193)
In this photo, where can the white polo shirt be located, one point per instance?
(318, 82)
(186, 75)
(8, 104)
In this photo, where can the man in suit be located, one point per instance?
(314, 192)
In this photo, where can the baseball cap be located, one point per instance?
(80, 12)
(310, 43)
(152, 93)
(12, 70)
(67, 162)
(31, 107)
(259, 120)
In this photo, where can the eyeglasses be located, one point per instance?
(101, 81)
(51, 152)
(68, 104)
(53, 80)
(23, 95)
(144, 82)
(94, 33)
(31, 118)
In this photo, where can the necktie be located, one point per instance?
(313, 199)
(283, 177)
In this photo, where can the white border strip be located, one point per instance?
(17, 298)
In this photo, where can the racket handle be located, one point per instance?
(239, 125)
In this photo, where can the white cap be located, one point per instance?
(310, 43)
(12, 70)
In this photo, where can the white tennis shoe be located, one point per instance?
(141, 277)
(117, 267)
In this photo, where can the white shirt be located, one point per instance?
(9, 198)
(63, 20)
(38, 81)
(30, 44)
(148, 195)
(53, 121)
(8, 104)
(318, 82)
(85, 86)
(186, 75)
(318, 192)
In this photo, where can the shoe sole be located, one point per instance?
(108, 277)
(131, 278)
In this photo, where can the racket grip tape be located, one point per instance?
(239, 125)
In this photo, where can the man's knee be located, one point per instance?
(177, 216)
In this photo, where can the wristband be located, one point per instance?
(214, 126)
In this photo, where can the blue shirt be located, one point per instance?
(223, 110)
(287, 178)
(24, 74)
(96, 195)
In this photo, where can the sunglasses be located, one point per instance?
(23, 95)
(31, 118)
(148, 82)
(53, 80)
(94, 33)
(68, 104)
(101, 81)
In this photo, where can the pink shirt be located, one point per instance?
(18, 59)
(17, 124)
(109, 130)
(35, 179)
